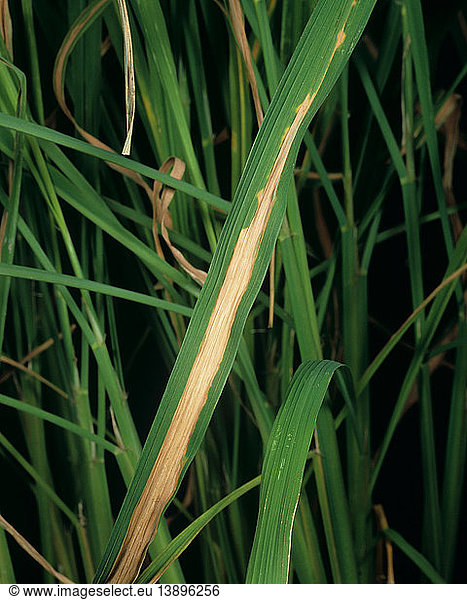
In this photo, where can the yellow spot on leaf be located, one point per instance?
(340, 38)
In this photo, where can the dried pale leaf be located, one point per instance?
(33, 374)
(382, 525)
(238, 25)
(450, 105)
(35, 352)
(27, 547)
(161, 199)
(316, 176)
(130, 89)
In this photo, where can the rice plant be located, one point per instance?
(233, 336)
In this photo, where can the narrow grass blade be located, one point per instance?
(27, 547)
(458, 258)
(8, 225)
(7, 575)
(130, 91)
(421, 64)
(415, 556)
(39, 481)
(59, 421)
(389, 346)
(154, 571)
(34, 59)
(455, 458)
(198, 75)
(93, 286)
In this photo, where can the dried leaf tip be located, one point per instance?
(130, 89)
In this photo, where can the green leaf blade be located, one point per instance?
(282, 473)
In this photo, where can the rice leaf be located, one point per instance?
(282, 472)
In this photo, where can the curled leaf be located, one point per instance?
(161, 199)
(80, 25)
(130, 90)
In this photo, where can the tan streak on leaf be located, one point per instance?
(163, 480)
(27, 547)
